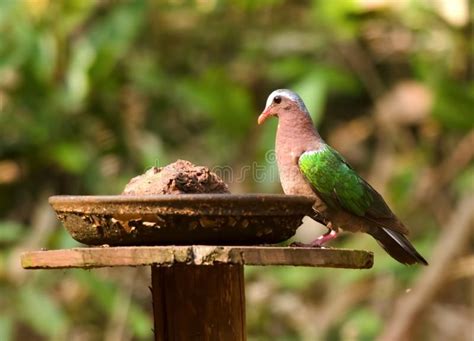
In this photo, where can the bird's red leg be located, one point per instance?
(320, 241)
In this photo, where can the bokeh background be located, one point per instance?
(95, 92)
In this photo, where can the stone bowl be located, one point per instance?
(184, 219)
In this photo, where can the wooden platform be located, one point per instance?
(96, 257)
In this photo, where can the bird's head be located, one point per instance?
(282, 102)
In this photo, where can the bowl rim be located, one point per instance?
(185, 204)
(204, 197)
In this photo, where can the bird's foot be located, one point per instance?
(318, 242)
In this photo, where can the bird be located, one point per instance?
(308, 166)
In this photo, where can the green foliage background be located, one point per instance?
(95, 92)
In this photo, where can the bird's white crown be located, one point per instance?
(291, 95)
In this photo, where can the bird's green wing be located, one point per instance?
(339, 185)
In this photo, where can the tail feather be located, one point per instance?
(397, 246)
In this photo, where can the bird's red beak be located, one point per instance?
(263, 116)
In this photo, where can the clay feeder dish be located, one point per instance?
(214, 219)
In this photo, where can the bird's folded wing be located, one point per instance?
(340, 186)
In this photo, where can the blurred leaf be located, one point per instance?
(77, 80)
(290, 68)
(41, 312)
(235, 106)
(266, 158)
(465, 181)
(400, 186)
(6, 328)
(147, 75)
(63, 240)
(18, 39)
(140, 322)
(365, 323)
(46, 54)
(152, 153)
(295, 278)
(73, 14)
(454, 106)
(111, 38)
(104, 293)
(339, 15)
(10, 232)
(215, 96)
(255, 5)
(71, 157)
(313, 90)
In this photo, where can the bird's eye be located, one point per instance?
(277, 99)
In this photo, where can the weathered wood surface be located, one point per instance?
(95, 257)
(193, 302)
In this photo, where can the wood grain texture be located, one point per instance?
(96, 257)
(193, 302)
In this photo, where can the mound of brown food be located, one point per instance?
(179, 177)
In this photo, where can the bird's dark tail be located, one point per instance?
(397, 246)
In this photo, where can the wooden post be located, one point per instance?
(199, 302)
(197, 290)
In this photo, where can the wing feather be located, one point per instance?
(338, 184)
